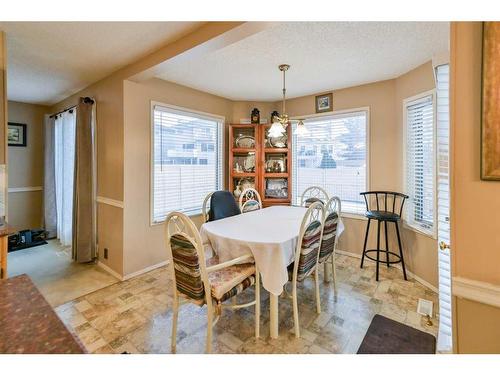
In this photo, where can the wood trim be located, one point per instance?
(477, 291)
(110, 202)
(109, 270)
(24, 189)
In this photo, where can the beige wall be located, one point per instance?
(144, 244)
(421, 250)
(26, 167)
(243, 109)
(110, 137)
(475, 204)
(385, 102)
(123, 148)
(108, 94)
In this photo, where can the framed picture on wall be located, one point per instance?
(324, 103)
(17, 134)
(490, 111)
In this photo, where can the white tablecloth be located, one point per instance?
(270, 235)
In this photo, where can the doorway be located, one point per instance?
(442, 73)
(49, 265)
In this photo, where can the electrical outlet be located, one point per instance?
(424, 307)
(105, 253)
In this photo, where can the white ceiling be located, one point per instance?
(48, 61)
(323, 56)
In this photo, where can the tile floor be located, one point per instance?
(135, 315)
(57, 277)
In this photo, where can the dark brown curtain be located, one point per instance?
(84, 228)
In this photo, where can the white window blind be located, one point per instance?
(187, 160)
(420, 163)
(333, 156)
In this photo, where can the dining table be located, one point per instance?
(270, 235)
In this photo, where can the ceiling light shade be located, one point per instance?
(301, 129)
(276, 130)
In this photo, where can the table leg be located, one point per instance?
(273, 315)
(327, 274)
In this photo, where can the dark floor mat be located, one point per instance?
(386, 336)
(26, 246)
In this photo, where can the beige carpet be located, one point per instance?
(59, 278)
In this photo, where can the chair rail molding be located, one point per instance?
(477, 291)
(109, 201)
(23, 189)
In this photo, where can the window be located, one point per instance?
(334, 156)
(420, 162)
(186, 161)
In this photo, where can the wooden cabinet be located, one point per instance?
(257, 161)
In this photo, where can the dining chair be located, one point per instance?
(307, 256)
(205, 282)
(329, 240)
(313, 194)
(205, 209)
(222, 205)
(250, 200)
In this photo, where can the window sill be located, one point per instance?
(420, 231)
(191, 215)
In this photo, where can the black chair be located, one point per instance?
(222, 205)
(384, 206)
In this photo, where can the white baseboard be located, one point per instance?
(147, 269)
(133, 274)
(477, 291)
(109, 270)
(411, 274)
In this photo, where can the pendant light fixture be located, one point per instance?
(280, 123)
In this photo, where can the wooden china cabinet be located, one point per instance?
(257, 161)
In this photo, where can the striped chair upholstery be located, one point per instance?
(308, 251)
(187, 268)
(250, 205)
(329, 235)
(309, 201)
(227, 282)
(249, 281)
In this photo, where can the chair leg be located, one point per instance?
(257, 304)
(400, 250)
(386, 246)
(210, 323)
(366, 240)
(295, 311)
(334, 276)
(174, 323)
(378, 248)
(316, 284)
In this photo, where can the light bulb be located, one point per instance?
(276, 130)
(301, 129)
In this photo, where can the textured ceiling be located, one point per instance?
(323, 56)
(48, 61)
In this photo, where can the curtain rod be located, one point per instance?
(85, 100)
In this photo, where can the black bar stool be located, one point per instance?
(389, 207)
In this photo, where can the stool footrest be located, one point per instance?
(384, 252)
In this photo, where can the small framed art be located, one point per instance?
(17, 134)
(324, 103)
